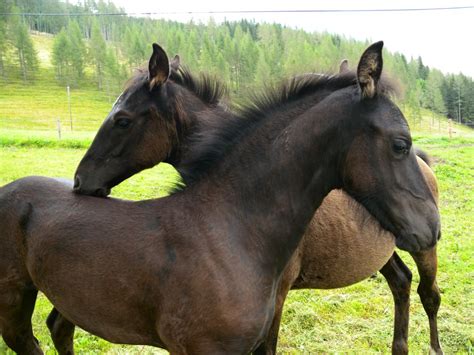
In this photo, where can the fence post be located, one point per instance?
(450, 130)
(69, 104)
(58, 124)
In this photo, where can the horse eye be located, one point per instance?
(123, 122)
(400, 146)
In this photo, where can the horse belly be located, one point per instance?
(100, 288)
(343, 245)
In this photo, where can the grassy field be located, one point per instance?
(355, 319)
(38, 103)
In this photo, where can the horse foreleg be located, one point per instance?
(427, 263)
(290, 274)
(399, 277)
(62, 332)
(269, 344)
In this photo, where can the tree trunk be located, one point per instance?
(22, 64)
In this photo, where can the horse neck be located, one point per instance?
(191, 124)
(274, 180)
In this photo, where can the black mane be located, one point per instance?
(208, 89)
(210, 146)
(274, 97)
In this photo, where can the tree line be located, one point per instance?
(244, 54)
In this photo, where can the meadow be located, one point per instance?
(354, 319)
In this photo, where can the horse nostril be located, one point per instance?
(439, 235)
(77, 182)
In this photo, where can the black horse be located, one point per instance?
(133, 272)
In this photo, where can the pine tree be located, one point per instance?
(3, 45)
(135, 48)
(61, 56)
(77, 50)
(114, 74)
(20, 38)
(97, 52)
(263, 70)
(4, 7)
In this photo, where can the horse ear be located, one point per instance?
(370, 69)
(158, 67)
(344, 66)
(175, 62)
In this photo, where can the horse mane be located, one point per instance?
(207, 88)
(210, 146)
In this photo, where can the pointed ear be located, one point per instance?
(370, 69)
(175, 62)
(158, 67)
(344, 66)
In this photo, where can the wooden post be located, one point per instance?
(450, 128)
(69, 104)
(58, 124)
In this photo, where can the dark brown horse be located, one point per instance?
(133, 272)
(342, 245)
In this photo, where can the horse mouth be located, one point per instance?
(100, 192)
(80, 189)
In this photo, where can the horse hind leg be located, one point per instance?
(16, 309)
(62, 332)
(427, 263)
(399, 278)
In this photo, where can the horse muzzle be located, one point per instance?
(81, 188)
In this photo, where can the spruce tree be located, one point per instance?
(77, 50)
(61, 56)
(97, 52)
(21, 40)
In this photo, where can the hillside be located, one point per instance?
(38, 104)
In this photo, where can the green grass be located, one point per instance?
(38, 103)
(357, 319)
(17, 162)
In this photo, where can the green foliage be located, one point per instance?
(78, 49)
(62, 51)
(4, 7)
(97, 52)
(134, 48)
(356, 319)
(26, 53)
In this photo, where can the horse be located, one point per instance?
(133, 272)
(342, 245)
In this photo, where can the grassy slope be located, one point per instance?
(37, 104)
(357, 318)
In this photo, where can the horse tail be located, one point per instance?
(423, 155)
